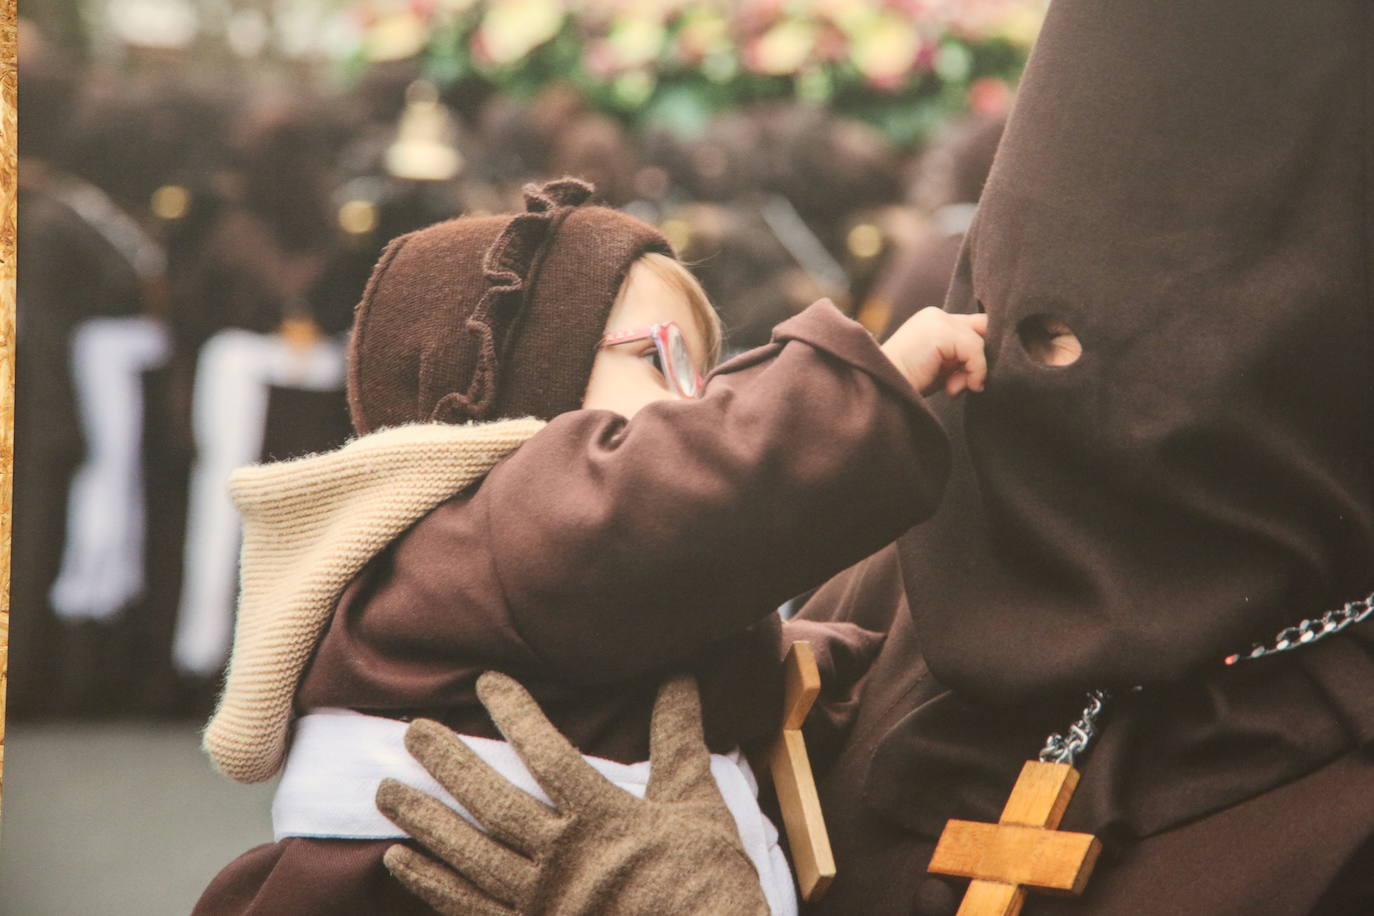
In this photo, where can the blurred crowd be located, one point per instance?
(192, 246)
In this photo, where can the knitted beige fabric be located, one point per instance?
(309, 526)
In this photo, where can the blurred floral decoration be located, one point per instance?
(903, 66)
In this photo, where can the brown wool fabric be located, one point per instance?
(483, 318)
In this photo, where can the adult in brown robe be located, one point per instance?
(947, 187)
(1188, 188)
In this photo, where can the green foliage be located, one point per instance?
(675, 63)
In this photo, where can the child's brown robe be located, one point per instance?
(601, 556)
(1190, 187)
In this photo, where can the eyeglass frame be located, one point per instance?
(660, 334)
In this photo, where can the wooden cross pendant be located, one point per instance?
(1024, 849)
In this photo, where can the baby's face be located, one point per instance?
(628, 376)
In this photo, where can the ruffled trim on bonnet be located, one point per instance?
(508, 267)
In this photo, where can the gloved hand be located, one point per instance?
(676, 852)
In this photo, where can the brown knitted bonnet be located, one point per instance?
(483, 318)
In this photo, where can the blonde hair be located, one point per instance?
(675, 274)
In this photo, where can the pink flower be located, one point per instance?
(598, 59)
(889, 82)
(989, 96)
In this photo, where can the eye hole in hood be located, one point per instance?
(1049, 341)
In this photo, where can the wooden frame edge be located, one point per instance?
(9, 195)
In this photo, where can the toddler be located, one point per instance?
(543, 485)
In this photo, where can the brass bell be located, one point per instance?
(424, 148)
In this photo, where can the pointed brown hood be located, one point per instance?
(1200, 216)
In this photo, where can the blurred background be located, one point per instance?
(204, 187)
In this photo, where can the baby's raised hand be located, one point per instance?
(934, 349)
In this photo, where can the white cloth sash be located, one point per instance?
(103, 556)
(235, 372)
(338, 757)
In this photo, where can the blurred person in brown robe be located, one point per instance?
(948, 182)
(596, 148)
(825, 164)
(708, 205)
(752, 278)
(1171, 464)
(515, 140)
(258, 363)
(759, 204)
(90, 634)
(47, 444)
(270, 251)
(408, 162)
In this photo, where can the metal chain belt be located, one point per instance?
(1065, 747)
(1061, 748)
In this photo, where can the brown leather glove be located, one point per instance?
(603, 851)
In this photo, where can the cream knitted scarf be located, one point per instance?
(309, 527)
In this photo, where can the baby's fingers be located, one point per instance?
(936, 351)
(970, 362)
(976, 364)
(977, 321)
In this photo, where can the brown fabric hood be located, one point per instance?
(495, 317)
(1199, 214)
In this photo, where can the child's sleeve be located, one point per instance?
(623, 546)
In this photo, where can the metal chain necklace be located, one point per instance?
(1065, 747)
(1309, 631)
(1025, 850)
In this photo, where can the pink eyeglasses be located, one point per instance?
(674, 359)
